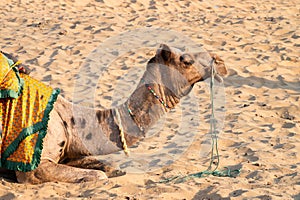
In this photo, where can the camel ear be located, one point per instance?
(220, 65)
(165, 52)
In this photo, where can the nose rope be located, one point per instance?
(213, 122)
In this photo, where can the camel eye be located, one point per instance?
(186, 59)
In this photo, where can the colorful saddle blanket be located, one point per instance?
(25, 106)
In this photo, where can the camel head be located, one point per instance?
(177, 71)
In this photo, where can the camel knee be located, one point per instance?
(27, 177)
(36, 176)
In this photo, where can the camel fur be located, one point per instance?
(68, 152)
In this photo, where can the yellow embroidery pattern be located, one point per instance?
(24, 124)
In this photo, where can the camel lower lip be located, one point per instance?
(219, 78)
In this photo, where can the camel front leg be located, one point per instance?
(90, 162)
(49, 171)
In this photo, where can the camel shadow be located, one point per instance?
(236, 80)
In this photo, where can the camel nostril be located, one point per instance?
(181, 58)
(191, 61)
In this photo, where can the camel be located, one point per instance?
(69, 153)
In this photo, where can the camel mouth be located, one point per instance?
(215, 65)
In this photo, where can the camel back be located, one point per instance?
(25, 106)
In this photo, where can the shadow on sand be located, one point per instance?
(258, 82)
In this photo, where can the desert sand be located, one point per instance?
(260, 135)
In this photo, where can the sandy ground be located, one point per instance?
(260, 43)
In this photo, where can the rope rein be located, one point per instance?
(213, 123)
(122, 136)
(215, 157)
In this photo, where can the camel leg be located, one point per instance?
(89, 162)
(49, 171)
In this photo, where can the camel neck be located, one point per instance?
(148, 104)
(99, 130)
